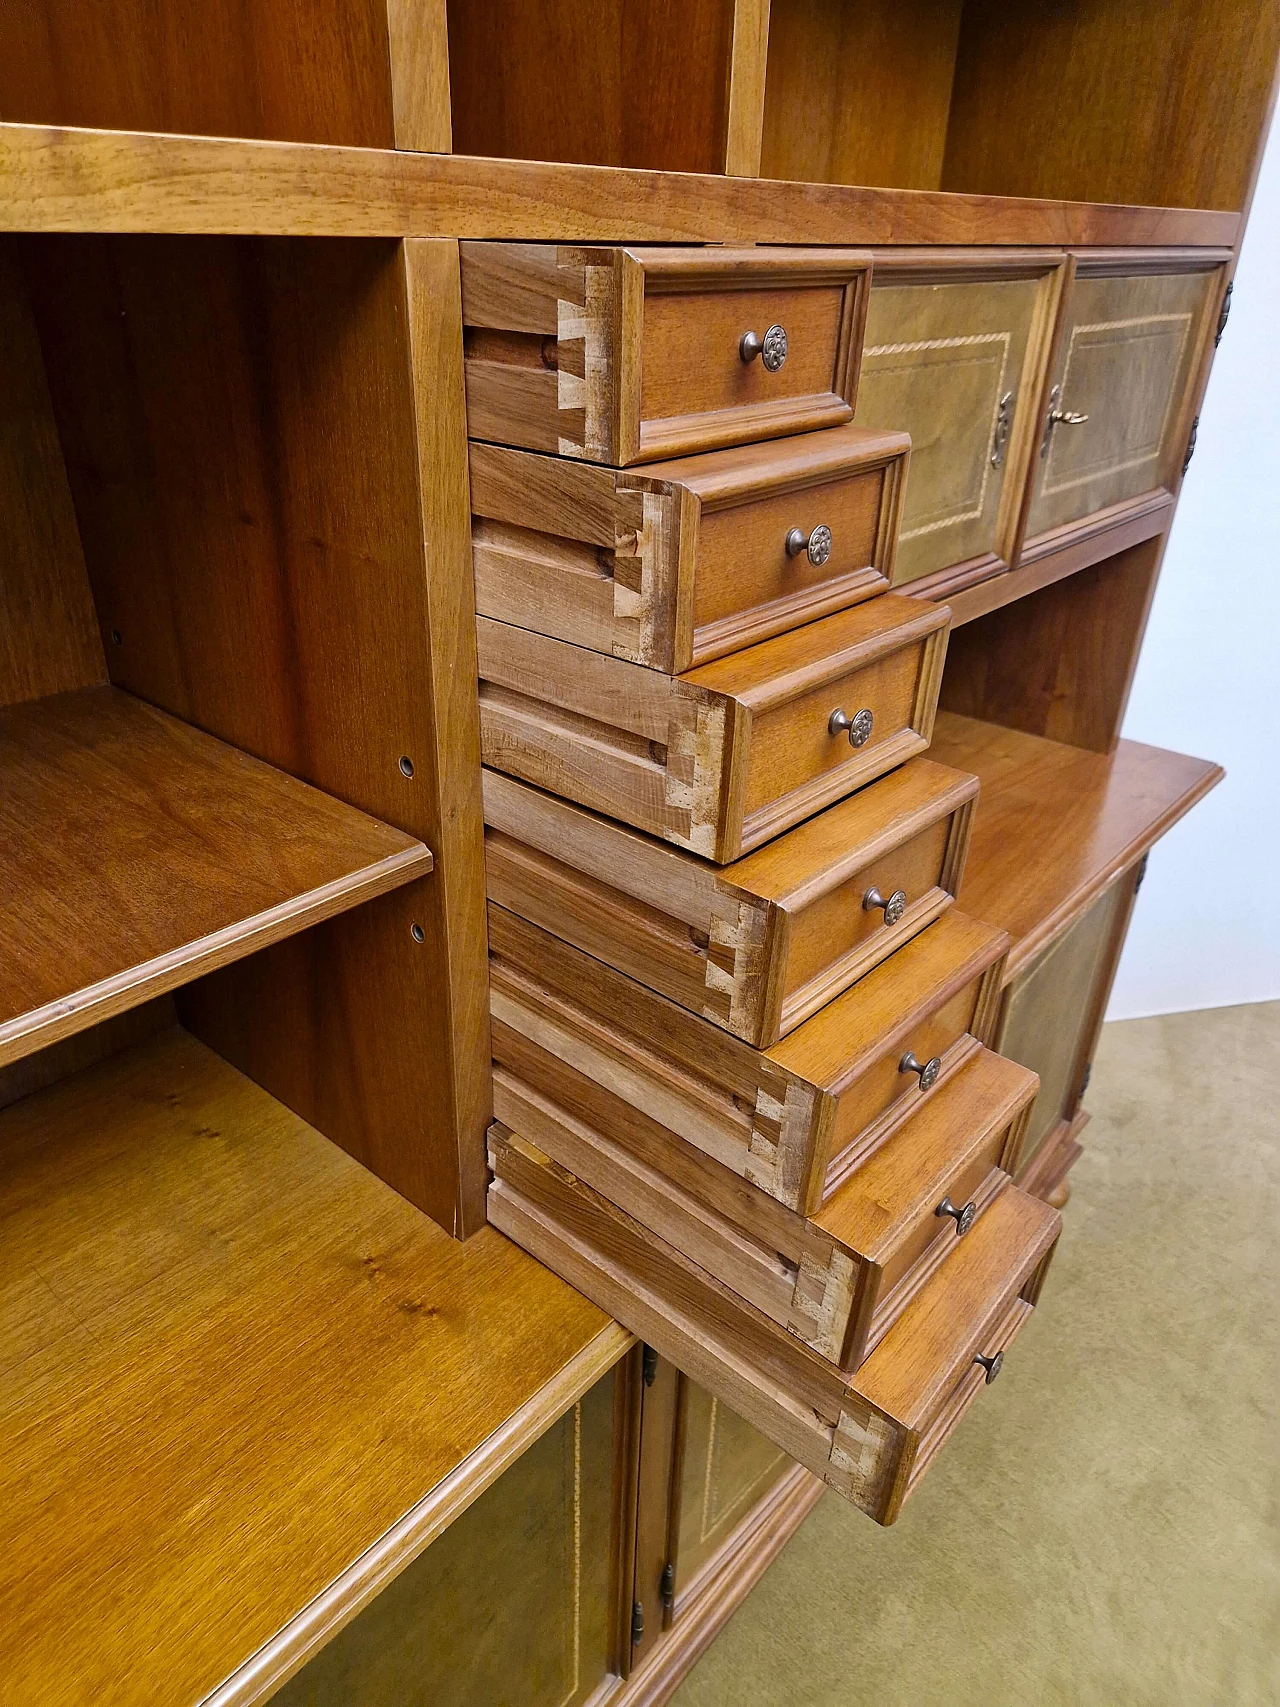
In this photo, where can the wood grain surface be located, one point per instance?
(279, 69)
(1058, 823)
(49, 639)
(140, 853)
(236, 1366)
(246, 454)
(920, 1374)
(760, 945)
(85, 180)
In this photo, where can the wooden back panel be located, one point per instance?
(1162, 102)
(293, 69)
(48, 636)
(604, 82)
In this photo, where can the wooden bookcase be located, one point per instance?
(280, 1397)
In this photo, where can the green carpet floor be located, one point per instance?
(1101, 1532)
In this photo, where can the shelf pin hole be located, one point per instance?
(417, 933)
(406, 766)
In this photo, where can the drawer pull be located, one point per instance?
(992, 1365)
(928, 1070)
(1058, 417)
(894, 905)
(772, 348)
(858, 727)
(964, 1219)
(817, 544)
(1000, 438)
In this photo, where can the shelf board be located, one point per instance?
(65, 179)
(137, 852)
(237, 1373)
(1056, 824)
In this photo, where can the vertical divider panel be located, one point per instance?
(747, 67)
(418, 32)
(434, 296)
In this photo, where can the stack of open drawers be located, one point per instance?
(743, 1092)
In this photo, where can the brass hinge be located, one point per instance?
(649, 1365)
(1084, 1080)
(667, 1585)
(1191, 444)
(1224, 314)
(637, 1623)
(1142, 871)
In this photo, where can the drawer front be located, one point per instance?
(794, 752)
(840, 931)
(964, 1186)
(884, 1092)
(692, 371)
(939, 363)
(1127, 356)
(748, 584)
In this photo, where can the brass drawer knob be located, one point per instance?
(858, 727)
(817, 544)
(964, 1218)
(928, 1070)
(1058, 417)
(772, 348)
(894, 905)
(992, 1365)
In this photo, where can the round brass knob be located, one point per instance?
(772, 348)
(817, 544)
(964, 1218)
(858, 727)
(992, 1365)
(928, 1070)
(894, 905)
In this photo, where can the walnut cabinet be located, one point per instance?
(655, 504)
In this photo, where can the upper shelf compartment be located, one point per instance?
(212, 498)
(666, 84)
(371, 73)
(139, 852)
(1159, 102)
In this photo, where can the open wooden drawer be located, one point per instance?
(728, 755)
(870, 1435)
(757, 946)
(839, 1279)
(792, 1122)
(625, 355)
(684, 561)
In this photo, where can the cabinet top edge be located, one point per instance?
(64, 179)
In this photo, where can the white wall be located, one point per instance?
(1206, 931)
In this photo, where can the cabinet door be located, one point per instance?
(724, 1467)
(513, 1603)
(1052, 1012)
(955, 356)
(1117, 417)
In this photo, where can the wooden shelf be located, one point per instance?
(1056, 824)
(239, 1373)
(55, 179)
(137, 853)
